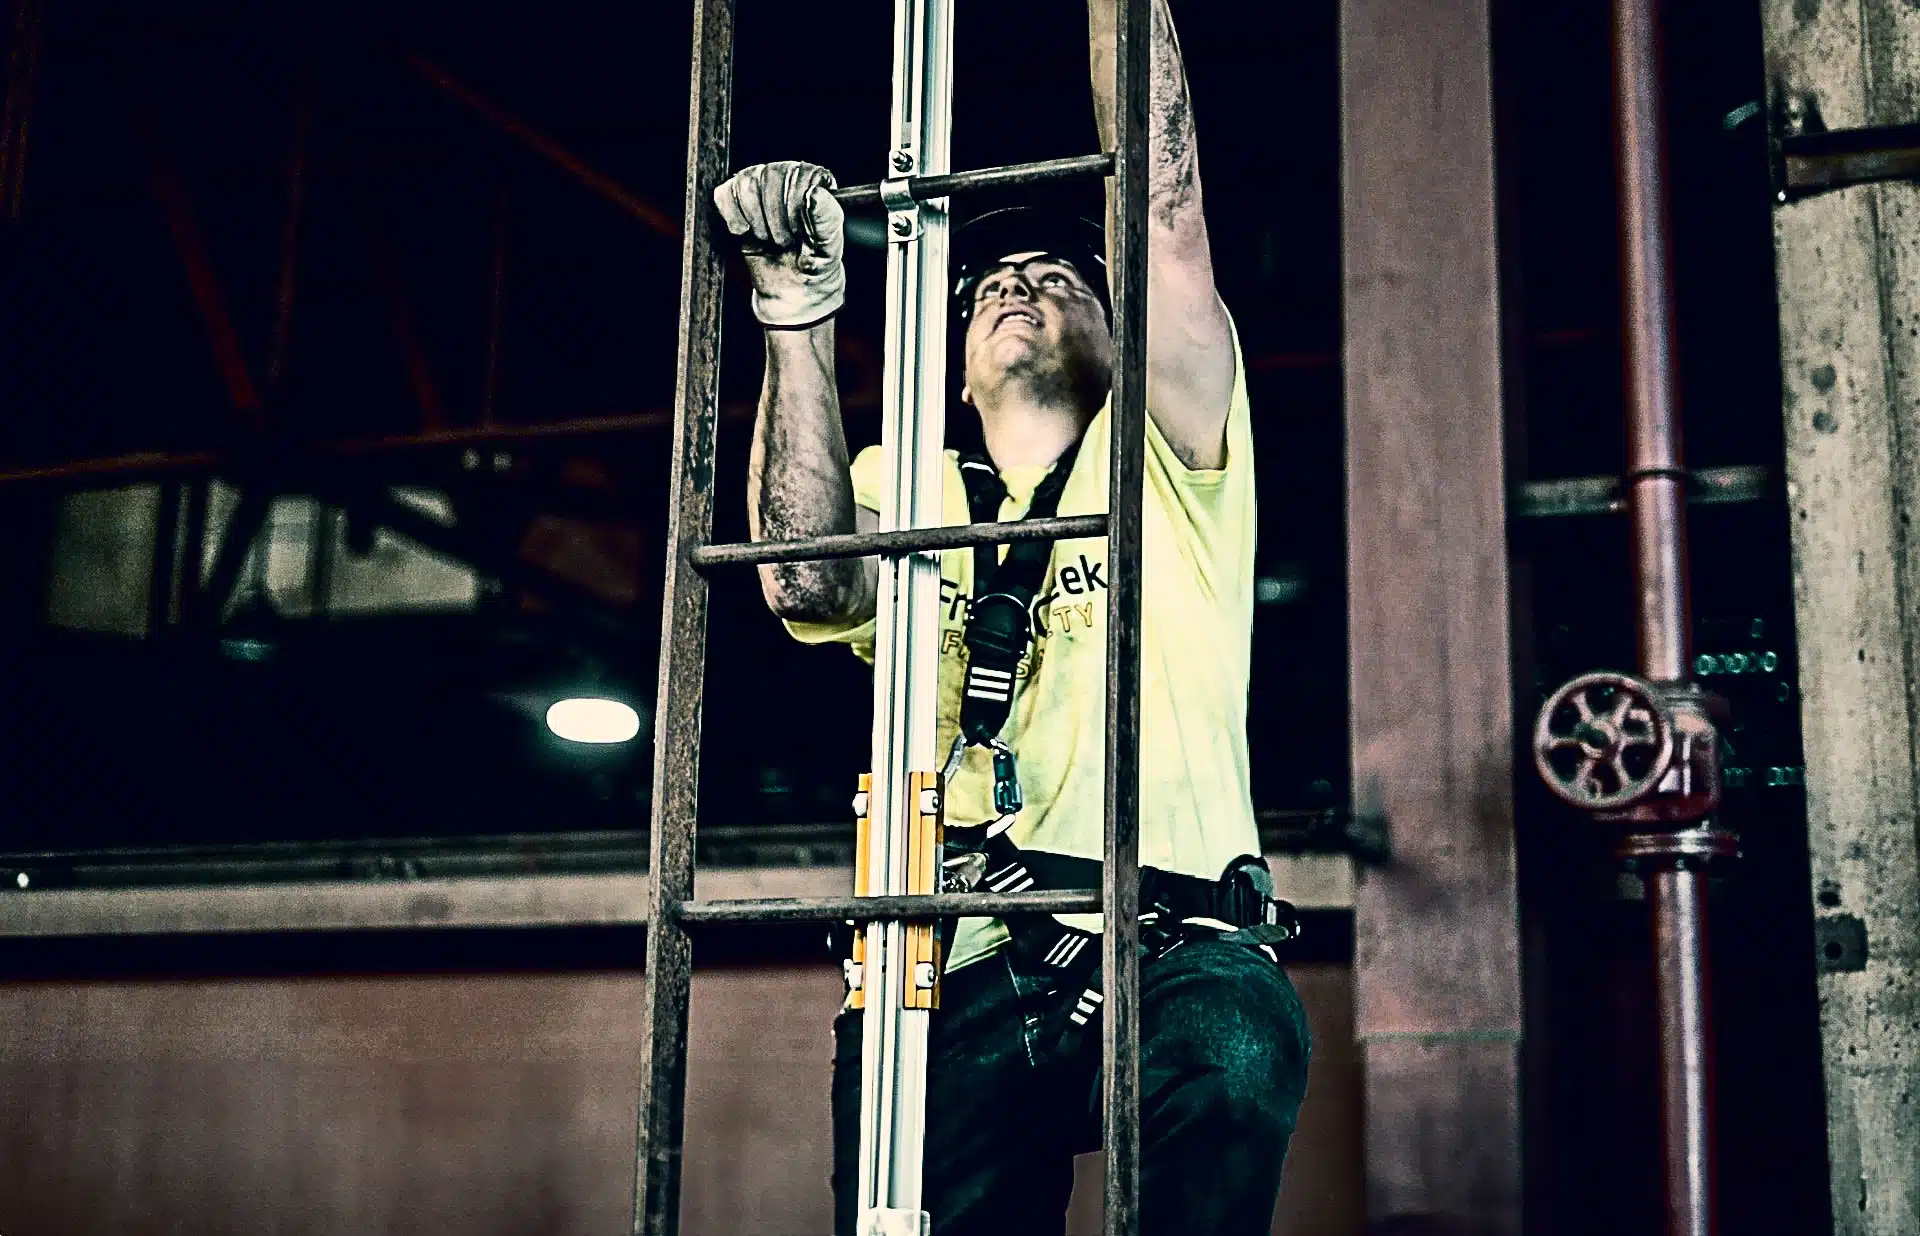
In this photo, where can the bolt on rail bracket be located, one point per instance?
(1817, 161)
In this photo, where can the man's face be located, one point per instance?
(1036, 320)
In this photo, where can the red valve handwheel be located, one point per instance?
(1603, 742)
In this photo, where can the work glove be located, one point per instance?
(793, 234)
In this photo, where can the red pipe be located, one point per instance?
(1656, 481)
(147, 463)
(17, 113)
(601, 183)
(290, 238)
(1677, 902)
(1655, 485)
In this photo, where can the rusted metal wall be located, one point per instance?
(480, 1104)
(1848, 265)
(1437, 975)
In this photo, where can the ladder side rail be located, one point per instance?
(683, 629)
(1120, 937)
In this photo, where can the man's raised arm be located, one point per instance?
(798, 485)
(1190, 365)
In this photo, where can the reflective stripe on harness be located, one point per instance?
(1238, 908)
(999, 627)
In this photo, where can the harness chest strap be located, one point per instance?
(999, 631)
(999, 626)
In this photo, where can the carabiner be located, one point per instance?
(955, 755)
(1006, 780)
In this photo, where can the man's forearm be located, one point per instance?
(798, 484)
(1173, 166)
(1190, 356)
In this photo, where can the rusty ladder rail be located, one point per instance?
(672, 911)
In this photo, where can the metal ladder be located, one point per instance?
(899, 864)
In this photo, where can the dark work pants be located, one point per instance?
(1223, 1060)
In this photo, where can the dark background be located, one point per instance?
(106, 353)
(378, 729)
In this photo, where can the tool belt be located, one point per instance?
(1238, 908)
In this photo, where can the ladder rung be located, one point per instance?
(871, 909)
(953, 184)
(904, 541)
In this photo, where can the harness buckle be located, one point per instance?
(854, 968)
(1006, 780)
(926, 843)
(998, 623)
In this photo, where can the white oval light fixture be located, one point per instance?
(593, 720)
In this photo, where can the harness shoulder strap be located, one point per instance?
(999, 620)
(985, 492)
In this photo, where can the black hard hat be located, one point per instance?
(985, 243)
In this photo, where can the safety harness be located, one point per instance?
(1239, 907)
(1000, 621)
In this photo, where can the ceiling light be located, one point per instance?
(593, 720)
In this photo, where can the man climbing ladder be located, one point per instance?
(1012, 1090)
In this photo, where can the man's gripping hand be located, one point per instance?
(793, 234)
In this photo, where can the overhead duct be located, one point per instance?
(301, 564)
